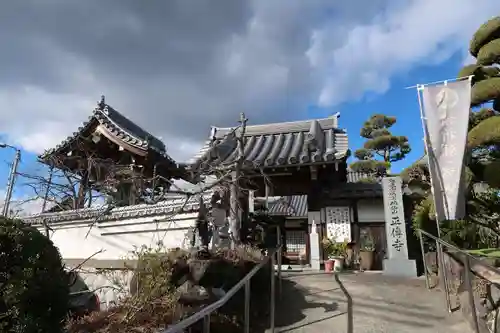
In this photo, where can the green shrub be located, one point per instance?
(33, 284)
(155, 302)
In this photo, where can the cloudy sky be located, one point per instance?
(176, 67)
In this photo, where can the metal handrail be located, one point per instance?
(467, 271)
(245, 282)
(454, 248)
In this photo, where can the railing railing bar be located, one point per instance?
(446, 244)
(444, 274)
(179, 327)
(247, 306)
(206, 324)
(468, 284)
(278, 255)
(273, 293)
(427, 283)
(467, 272)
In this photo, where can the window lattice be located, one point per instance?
(295, 241)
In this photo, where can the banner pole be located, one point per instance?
(441, 81)
(420, 88)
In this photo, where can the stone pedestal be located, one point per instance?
(400, 267)
(397, 263)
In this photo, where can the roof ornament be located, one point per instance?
(102, 102)
(213, 133)
(335, 118)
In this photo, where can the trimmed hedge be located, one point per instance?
(34, 287)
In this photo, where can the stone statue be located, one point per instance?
(202, 224)
(218, 216)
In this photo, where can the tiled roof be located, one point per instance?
(354, 177)
(294, 206)
(171, 205)
(280, 144)
(118, 125)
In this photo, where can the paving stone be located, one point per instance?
(314, 302)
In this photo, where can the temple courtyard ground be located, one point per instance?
(316, 302)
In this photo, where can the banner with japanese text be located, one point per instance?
(446, 109)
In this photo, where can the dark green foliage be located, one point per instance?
(487, 32)
(478, 116)
(485, 47)
(34, 286)
(485, 91)
(489, 54)
(381, 147)
(485, 133)
(370, 167)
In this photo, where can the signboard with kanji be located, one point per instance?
(395, 226)
(338, 223)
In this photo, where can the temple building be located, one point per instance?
(299, 168)
(112, 155)
(306, 159)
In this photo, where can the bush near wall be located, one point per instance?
(162, 289)
(33, 285)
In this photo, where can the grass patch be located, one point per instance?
(488, 253)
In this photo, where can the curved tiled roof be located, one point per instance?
(291, 205)
(119, 126)
(280, 144)
(169, 206)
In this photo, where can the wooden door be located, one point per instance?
(377, 231)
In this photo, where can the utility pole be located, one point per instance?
(45, 198)
(12, 179)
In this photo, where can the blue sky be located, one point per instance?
(176, 79)
(397, 101)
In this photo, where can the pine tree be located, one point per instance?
(381, 148)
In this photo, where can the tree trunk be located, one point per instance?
(82, 191)
(234, 220)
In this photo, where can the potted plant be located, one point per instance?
(328, 249)
(335, 252)
(366, 252)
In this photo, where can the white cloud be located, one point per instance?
(179, 66)
(421, 32)
(21, 206)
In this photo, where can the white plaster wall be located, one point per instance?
(371, 210)
(110, 286)
(116, 239)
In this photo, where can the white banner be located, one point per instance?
(446, 111)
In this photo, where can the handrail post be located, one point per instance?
(424, 262)
(279, 255)
(442, 269)
(204, 313)
(247, 307)
(206, 324)
(468, 285)
(273, 295)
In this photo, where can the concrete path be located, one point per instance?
(315, 302)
